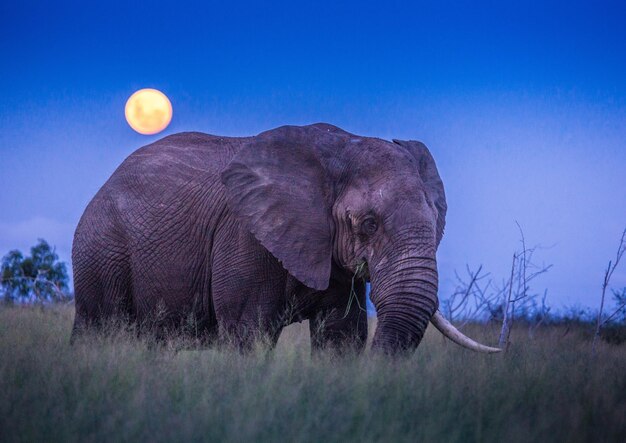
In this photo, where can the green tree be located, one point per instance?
(38, 277)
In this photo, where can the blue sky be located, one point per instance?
(523, 108)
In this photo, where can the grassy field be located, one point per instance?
(122, 389)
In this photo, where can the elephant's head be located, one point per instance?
(317, 195)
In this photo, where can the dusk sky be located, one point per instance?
(523, 108)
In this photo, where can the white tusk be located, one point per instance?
(447, 329)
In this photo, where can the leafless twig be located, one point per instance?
(523, 271)
(504, 332)
(607, 278)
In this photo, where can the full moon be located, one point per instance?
(148, 111)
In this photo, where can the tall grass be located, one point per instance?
(120, 388)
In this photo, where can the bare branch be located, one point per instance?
(504, 332)
(607, 278)
(620, 297)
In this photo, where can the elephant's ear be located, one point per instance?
(430, 177)
(278, 188)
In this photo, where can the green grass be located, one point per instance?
(118, 388)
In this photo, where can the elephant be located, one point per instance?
(241, 236)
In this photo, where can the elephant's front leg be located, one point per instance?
(247, 287)
(250, 313)
(341, 320)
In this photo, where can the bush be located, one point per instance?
(37, 277)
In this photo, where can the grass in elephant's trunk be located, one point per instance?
(117, 387)
(362, 273)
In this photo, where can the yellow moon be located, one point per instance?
(148, 111)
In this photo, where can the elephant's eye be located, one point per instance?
(369, 226)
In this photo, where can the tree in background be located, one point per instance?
(38, 277)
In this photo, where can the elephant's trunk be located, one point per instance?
(404, 292)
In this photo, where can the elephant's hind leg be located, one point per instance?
(103, 298)
(102, 276)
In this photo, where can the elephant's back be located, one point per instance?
(181, 156)
(171, 181)
(170, 169)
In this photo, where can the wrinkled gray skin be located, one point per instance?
(222, 236)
